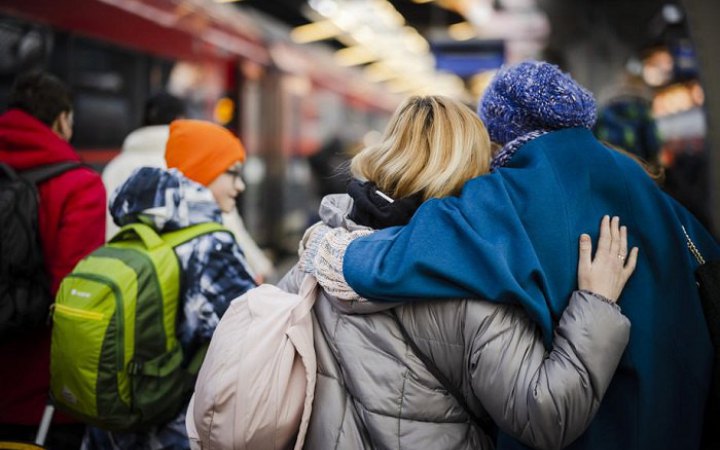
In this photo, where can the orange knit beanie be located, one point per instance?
(202, 150)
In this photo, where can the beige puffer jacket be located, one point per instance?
(373, 393)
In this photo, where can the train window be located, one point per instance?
(108, 85)
(23, 47)
(101, 121)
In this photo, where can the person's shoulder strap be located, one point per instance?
(43, 173)
(7, 172)
(483, 422)
(178, 237)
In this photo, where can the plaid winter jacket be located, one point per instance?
(214, 272)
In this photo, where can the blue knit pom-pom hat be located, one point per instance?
(534, 96)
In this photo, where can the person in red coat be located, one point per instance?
(71, 220)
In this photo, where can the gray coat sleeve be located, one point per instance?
(292, 280)
(546, 399)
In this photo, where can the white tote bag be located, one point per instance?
(256, 386)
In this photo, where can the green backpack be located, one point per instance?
(115, 360)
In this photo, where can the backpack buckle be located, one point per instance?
(134, 368)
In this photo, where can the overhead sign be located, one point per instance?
(466, 59)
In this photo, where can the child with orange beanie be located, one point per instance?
(202, 181)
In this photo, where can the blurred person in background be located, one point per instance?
(511, 235)
(371, 393)
(687, 179)
(625, 120)
(625, 116)
(36, 131)
(327, 166)
(202, 182)
(145, 147)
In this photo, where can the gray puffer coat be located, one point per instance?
(373, 393)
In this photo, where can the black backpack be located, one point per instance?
(707, 276)
(24, 285)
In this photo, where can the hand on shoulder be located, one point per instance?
(606, 273)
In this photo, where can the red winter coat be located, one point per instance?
(71, 220)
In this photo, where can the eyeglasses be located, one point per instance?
(235, 173)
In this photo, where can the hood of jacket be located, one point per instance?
(334, 211)
(147, 141)
(163, 199)
(25, 142)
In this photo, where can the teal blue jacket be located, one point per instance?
(512, 236)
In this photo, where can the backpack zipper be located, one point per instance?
(77, 312)
(119, 312)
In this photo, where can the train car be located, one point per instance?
(286, 102)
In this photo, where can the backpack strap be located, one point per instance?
(196, 361)
(483, 422)
(146, 233)
(179, 237)
(152, 239)
(8, 172)
(39, 174)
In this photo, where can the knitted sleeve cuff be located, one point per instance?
(329, 263)
(308, 246)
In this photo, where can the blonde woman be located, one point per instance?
(373, 388)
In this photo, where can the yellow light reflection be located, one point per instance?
(378, 72)
(479, 82)
(224, 110)
(316, 31)
(353, 56)
(401, 85)
(462, 31)
(414, 41)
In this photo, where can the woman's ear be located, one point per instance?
(63, 125)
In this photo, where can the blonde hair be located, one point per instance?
(432, 145)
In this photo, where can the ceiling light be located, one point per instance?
(394, 17)
(378, 72)
(327, 8)
(462, 31)
(479, 12)
(316, 31)
(414, 41)
(353, 56)
(672, 14)
(400, 85)
(375, 32)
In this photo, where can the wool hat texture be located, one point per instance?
(202, 150)
(534, 96)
